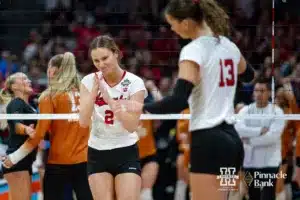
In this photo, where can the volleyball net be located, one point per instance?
(75, 116)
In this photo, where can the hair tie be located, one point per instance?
(196, 1)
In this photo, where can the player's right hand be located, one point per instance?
(6, 162)
(102, 89)
(132, 106)
(96, 85)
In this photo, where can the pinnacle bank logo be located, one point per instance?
(259, 179)
(230, 180)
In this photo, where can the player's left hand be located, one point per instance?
(6, 162)
(132, 106)
(116, 107)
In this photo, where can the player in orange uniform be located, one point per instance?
(292, 95)
(67, 157)
(183, 159)
(287, 139)
(147, 148)
(149, 165)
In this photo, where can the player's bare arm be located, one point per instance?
(86, 106)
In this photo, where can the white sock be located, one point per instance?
(180, 191)
(281, 196)
(235, 195)
(288, 192)
(146, 194)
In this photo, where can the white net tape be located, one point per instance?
(75, 116)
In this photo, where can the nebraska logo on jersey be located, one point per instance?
(100, 101)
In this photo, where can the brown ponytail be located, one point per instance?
(201, 10)
(215, 16)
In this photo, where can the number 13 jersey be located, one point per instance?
(106, 131)
(211, 101)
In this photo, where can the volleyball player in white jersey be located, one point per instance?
(113, 158)
(209, 67)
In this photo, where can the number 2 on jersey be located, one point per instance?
(109, 117)
(229, 78)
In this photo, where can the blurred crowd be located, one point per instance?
(148, 46)
(150, 49)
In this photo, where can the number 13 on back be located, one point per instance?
(228, 79)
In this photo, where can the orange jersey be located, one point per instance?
(183, 128)
(146, 143)
(293, 105)
(68, 140)
(287, 136)
(295, 109)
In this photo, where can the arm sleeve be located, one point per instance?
(274, 133)
(242, 128)
(174, 103)
(248, 75)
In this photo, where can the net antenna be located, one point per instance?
(273, 53)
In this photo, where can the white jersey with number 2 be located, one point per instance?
(211, 101)
(106, 131)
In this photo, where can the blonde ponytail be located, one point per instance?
(66, 78)
(5, 96)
